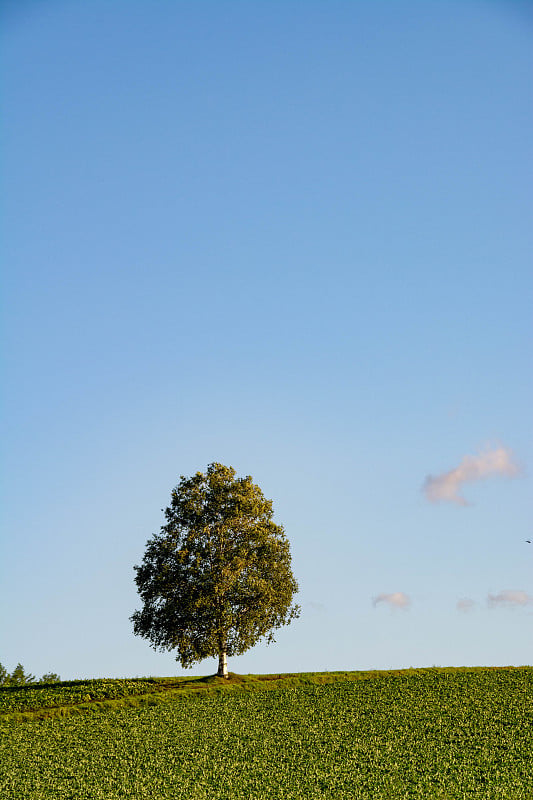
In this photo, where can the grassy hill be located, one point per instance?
(429, 733)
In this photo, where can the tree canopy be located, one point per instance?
(217, 578)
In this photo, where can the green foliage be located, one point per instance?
(217, 578)
(50, 677)
(17, 678)
(409, 735)
(20, 678)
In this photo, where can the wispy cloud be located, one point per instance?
(393, 600)
(465, 604)
(509, 599)
(314, 607)
(447, 486)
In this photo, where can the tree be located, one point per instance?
(50, 677)
(20, 678)
(217, 578)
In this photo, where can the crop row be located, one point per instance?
(429, 735)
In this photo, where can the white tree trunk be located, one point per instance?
(222, 665)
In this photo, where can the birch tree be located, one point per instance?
(217, 577)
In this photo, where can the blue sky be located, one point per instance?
(293, 238)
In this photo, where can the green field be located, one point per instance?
(428, 734)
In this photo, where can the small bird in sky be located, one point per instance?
(528, 541)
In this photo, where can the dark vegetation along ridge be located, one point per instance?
(42, 701)
(414, 734)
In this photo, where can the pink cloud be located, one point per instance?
(465, 604)
(509, 599)
(447, 486)
(393, 600)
